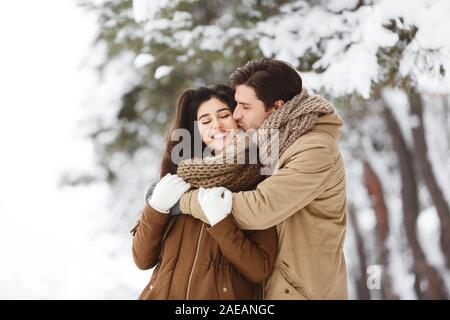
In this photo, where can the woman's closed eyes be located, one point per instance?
(223, 116)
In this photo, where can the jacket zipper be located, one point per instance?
(193, 266)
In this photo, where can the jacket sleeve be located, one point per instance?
(147, 237)
(253, 253)
(303, 177)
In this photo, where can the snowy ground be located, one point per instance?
(54, 243)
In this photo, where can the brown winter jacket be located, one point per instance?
(306, 200)
(195, 261)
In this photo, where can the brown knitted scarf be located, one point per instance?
(293, 119)
(230, 169)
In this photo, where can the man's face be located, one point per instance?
(250, 112)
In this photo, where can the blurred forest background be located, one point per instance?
(384, 64)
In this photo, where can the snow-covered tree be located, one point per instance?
(385, 65)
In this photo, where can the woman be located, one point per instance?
(194, 260)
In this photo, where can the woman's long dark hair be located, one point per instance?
(187, 105)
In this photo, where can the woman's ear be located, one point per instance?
(277, 104)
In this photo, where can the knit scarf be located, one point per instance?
(231, 168)
(286, 124)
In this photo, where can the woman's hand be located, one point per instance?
(216, 203)
(168, 192)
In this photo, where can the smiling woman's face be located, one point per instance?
(215, 124)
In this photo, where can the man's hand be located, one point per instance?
(168, 192)
(216, 203)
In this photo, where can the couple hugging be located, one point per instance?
(219, 229)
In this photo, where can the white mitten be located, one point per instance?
(168, 192)
(216, 203)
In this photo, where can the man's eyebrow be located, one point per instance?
(240, 102)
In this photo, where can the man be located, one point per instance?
(305, 196)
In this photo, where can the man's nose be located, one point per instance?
(237, 115)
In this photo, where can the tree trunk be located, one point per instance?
(428, 284)
(445, 113)
(375, 190)
(426, 170)
(361, 283)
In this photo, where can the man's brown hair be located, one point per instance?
(271, 79)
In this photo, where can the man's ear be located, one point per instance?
(278, 104)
